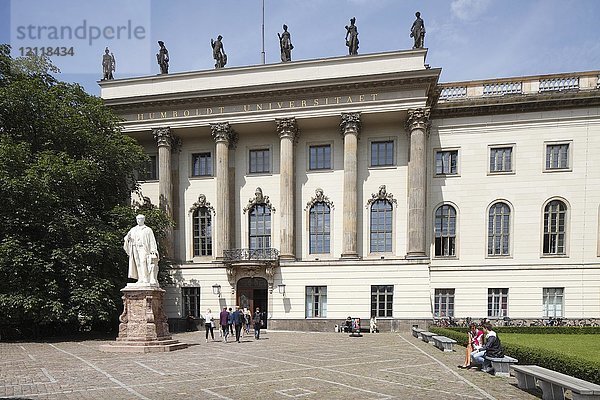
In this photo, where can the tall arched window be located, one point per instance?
(445, 231)
(555, 228)
(499, 230)
(260, 227)
(381, 226)
(319, 226)
(202, 225)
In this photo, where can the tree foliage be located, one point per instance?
(66, 176)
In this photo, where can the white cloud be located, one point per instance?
(468, 9)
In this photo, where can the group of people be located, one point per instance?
(477, 350)
(230, 322)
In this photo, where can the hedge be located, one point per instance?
(582, 369)
(547, 330)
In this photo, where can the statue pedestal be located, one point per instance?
(143, 327)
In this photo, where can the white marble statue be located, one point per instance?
(140, 246)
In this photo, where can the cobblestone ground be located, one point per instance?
(281, 365)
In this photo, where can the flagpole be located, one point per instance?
(262, 54)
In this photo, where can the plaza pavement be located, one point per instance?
(282, 365)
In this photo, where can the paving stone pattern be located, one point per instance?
(282, 365)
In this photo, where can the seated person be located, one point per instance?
(492, 348)
(373, 325)
(348, 325)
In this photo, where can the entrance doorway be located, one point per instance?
(252, 293)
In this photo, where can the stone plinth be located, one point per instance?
(144, 327)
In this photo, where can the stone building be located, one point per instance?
(362, 186)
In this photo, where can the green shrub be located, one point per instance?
(573, 366)
(546, 330)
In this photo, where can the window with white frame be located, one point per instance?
(499, 230)
(445, 231)
(316, 302)
(443, 303)
(259, 220)
(202, 164)
(381, 227)
(446, 162)
(497, 303)
(382, 153)
(501, 159)
(555, 229)
(557, 156)
(191, 301)
(260, 161)
(202, 228)
(382, 300)
(319, 228)
(319, 157)
(553, 302)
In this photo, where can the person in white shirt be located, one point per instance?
(209, 324)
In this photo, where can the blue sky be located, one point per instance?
(468, 39)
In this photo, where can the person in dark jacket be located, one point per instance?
(491, 348)
(224, 322)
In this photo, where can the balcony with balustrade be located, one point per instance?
(246, 262)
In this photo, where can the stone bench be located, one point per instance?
(444, 343)
(417, 331)
(427, 337)
(554, 384)
(502, 365)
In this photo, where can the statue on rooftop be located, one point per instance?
(162, 58)
(218, 52)
(352, 37)
(285, 44)
(108, 65)
(417, 31)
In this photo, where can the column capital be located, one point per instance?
(287, 128)
(418, 119)
(163, 136)
(223, 132)
(350, 123)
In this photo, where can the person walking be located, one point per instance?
(223, 321)
(247, 320)
(238, 321)
(258, 322)
(475, 343)
(209, 324)
(230, 321)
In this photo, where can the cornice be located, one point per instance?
(516, 103)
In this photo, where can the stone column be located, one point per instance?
(350, 127)
(288, 132)
(417, 126)
(165, 140)
(223, 136)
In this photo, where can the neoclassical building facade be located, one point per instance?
(361, 186)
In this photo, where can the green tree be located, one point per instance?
(66, 177)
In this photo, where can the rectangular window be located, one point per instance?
(316, 302)
(382, 299)
(553, 302)
(501, 159)
(497, 303)
(201, 164)
(191, 301)
(260, 161)
(319, 157)
(557, 156)
(444, 303)
(150, 172)
(382, 153)
(446, 162)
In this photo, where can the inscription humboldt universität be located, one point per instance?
(253, 107)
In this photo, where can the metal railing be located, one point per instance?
(501, 88)
(557, 84)
(266, 254)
